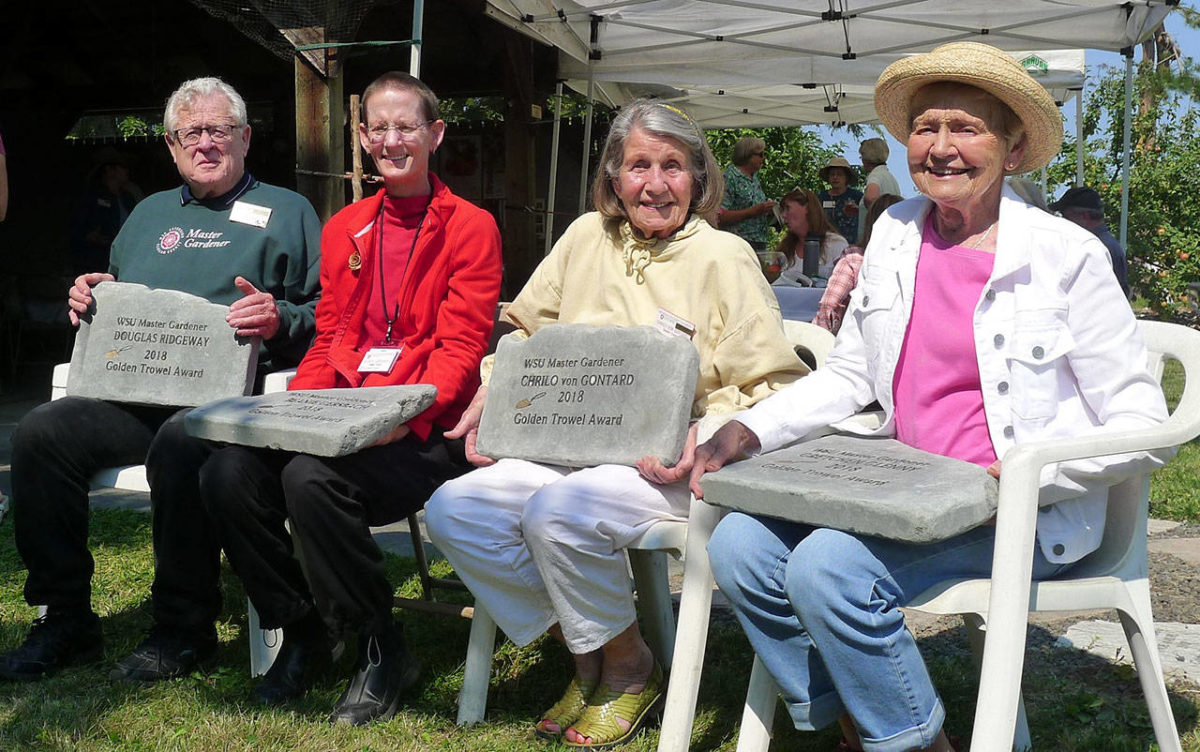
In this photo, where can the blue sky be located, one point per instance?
(1187, 38)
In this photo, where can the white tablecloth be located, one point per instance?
(798, 303)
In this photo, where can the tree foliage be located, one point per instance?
(794, 156)
(1163, 246)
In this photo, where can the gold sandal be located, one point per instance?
(567, 710)
(599, 720)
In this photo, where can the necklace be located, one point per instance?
(975, 246)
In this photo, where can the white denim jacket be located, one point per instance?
(1057, 345)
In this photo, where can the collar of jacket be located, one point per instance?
(1013, 231)
(363, 220)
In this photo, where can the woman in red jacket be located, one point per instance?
(409, 279)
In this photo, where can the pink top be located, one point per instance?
(939, 403)
(401, 217)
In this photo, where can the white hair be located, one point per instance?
(193, 89)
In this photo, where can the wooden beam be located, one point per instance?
(521, 253)
(320, 138)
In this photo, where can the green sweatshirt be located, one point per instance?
(196, 247)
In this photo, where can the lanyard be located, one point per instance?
(391, 320)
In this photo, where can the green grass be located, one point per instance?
(1076, 702)
(1175, 489)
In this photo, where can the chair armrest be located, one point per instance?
(277, 381)
(58, 381)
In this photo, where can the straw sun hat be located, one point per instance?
(983, 67)
(851, 175)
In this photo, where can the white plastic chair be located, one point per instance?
(649, 564)
(264, 643)
(1114, 576)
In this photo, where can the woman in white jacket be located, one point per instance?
(978, 323)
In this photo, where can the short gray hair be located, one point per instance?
(660, 119)
(746, 147)
(874, 150)
(191, 90)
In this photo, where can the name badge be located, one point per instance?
(828, 204)
(250, 214)
(671, 324)
(379, 360)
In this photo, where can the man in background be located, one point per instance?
(1082, 205)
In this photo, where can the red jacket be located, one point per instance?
(447, 300)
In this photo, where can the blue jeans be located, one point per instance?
(821, 609)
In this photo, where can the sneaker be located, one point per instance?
(165, 654)
(385, 671)
(54, 642)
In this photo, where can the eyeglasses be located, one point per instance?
(377, 133)
(219, 134)
(762, 154)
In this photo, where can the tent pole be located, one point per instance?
(1127, 137)
(587, 124)
(549, 223)
(587, 140)
(414, 51)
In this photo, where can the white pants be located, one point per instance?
(543, 544)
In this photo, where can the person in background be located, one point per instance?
(832, 306)
(840, 201)
(873, 153)
(803, 218)
(409, 283)
(541, 546)
(979, 324)
(3, 181)
(264, 267)
(745, 210)
(107, 201)
(1082, 205)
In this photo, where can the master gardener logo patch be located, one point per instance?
(169, 240)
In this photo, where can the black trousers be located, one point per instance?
(57, 447)
(330, 504)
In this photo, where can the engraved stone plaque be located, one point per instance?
(159, 347)
(324, 422)
(876, 487)
(583, 395)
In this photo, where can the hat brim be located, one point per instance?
(983, 67)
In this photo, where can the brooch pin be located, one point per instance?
(355, 262)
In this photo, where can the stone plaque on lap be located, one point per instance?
(324, 422)
(159, 347)
(876, 487)
(583, 395)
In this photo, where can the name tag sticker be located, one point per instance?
(379, 360)
(671, 324)
(250, 214)
(828, 204)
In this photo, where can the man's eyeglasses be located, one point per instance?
(762, 154)
(219, 134)
(377, 133)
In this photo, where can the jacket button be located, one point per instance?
(866, 300)
(1059, 549)
(998, 340)
(991, 295)
(1002, 387)
(1008, 432)
(1038, 352)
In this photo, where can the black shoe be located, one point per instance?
(385, 671)
(298, 663)
(165, 654)
(54, 641)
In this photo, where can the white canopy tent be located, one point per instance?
(710, 46)
(742, 62)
